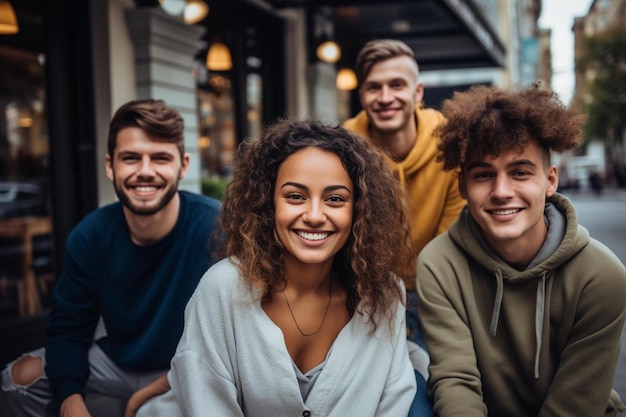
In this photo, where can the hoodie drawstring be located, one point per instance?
(539, 312)
(495, 316)
(539, 316)
(399, 171)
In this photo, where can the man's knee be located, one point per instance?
(25, 371)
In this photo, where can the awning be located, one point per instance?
(444, 34)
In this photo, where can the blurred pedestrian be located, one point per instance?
(522, 310)
(595, 181)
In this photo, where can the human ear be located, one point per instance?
(419, 92)
(108, 166)
(184, 166)
(553, 181)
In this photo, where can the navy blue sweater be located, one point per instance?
(140, 292)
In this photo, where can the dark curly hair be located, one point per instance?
(487, 120)
(379, 239)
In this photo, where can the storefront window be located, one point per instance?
(254, 83)
(217, 132)
(25, 223)
(233, 103)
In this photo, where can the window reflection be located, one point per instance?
(217, 130)
(26, 276)
(217, 133)
(217, 127)
(254, 90)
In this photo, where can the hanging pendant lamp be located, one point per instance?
(328, 51)
(192, 11)
(218, 58)
(195, 11)
(346, 79)
(8, 21)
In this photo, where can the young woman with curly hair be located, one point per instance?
(305, 315)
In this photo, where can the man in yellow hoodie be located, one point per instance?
(394, 119)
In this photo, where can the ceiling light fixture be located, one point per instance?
(8, 21)
(328, 51)
(346, 79)
(218, 58)
(195, 11)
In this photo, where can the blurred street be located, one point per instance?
(605, 218)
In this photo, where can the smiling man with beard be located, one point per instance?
(135, 263)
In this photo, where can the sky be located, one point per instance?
(559, 15)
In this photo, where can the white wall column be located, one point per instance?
(164, 50)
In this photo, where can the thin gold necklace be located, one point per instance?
(323, 318)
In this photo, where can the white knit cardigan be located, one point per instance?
(232, 361)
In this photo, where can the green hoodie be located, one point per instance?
(540, 342)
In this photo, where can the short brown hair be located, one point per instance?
(487, 120)
(161, 123)
(379, 50)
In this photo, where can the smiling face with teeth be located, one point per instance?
(506, 196)
(389, 95)
(313, 202)
(145, 172)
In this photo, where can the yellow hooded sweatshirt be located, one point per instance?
(433, 193)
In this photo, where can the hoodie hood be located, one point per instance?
(565, 238)
(423, 153)
(563, 229)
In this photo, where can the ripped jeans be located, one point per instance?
(106, 378)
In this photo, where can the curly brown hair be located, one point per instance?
(379, 239)
(487, 120)
(162, 123)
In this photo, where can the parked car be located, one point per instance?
(21, 198)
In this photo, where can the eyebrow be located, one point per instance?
(326, 189)
(386, 81)
(153, 154)
(516, 163)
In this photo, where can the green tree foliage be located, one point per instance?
(604, 58)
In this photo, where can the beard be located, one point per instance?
(145, 210)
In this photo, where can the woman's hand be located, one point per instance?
(74, 406)
(157, 387)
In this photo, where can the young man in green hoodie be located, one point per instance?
(394, 120)
(522, 310)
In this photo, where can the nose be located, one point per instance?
(145, 167)
(314, 213)
(385, 95)
(502, 188)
